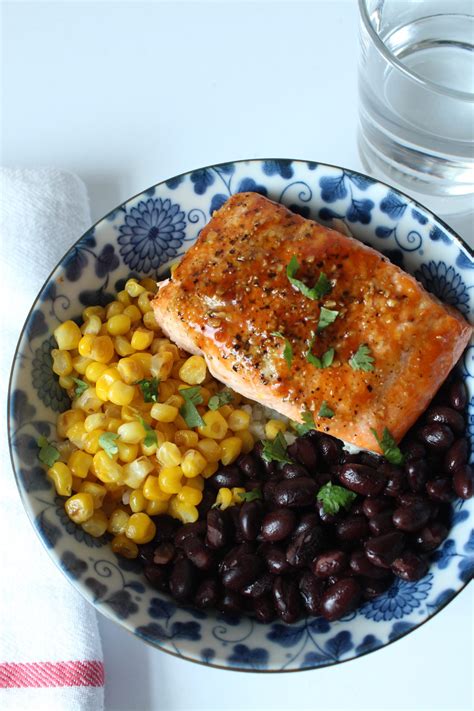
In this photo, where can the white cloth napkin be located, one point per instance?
(50, 650)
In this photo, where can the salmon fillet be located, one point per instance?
(230, 294)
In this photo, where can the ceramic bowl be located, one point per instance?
(141, 237)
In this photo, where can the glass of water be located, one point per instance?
(416, 98)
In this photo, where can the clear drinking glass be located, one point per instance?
(416, 98)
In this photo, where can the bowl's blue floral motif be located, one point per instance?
(142, 236)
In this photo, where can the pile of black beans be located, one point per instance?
(282, 556)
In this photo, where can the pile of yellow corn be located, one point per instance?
(127, 453)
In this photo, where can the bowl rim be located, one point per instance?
(77, 583)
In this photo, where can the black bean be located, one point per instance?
(370, 459)
(381, 523)
(233, 555)
(228, 477)
(436, 436)
(164, 553)
(295, 492)
(352, 529)
(242, 571)
(207, 501)
(269, 491)
(287, 599)
(305, 547)
(417, 474)
(440, 489)
(431, 536)
(357, 507)
(233, 513)
(412, 449)
(330, 449)
(275, 558)
(327, 518)
(306, 523)
(412, 518)
(396, 481)
(456, 455)
(349, 458)
(362, 479)
(183, 580)
(373, 588)
(264, 609)
(329, 563)
(458, 395)
(293, 471)
(270, 468)
(188, 530)
(157, 576)
(446, 416)
(217, 528)
(278, 525)
(207, 593)
(198, 553)
(166, 527)
(146, 552)
(373, 507)
(260, 586)
(231, 603)
(409, 566)
(361, 565)
(409, 499)
(311, 591)
(340, 598)
(250, 466)
(382, 550)
(462, 481)
(250, 517)
(305, 452)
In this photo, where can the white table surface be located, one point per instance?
(129, 93)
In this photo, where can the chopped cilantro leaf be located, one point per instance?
(362, 359)
(307, 425)
(325, 410)
(275, 450)
(251, 495)
(219, 399)
(48, 454)
(188, 411)
(320, 289)
(326, 317)
(326, 359)
(389, 447)
(287, 350)
(150, 437)
(81, 387)
(108, 443)
(149, 389)
(334, 497)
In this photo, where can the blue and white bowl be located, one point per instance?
(141, 237)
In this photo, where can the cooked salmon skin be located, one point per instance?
(230, 298)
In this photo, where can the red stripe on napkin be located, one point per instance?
(44, 674)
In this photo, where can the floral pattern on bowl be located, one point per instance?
(142, 237)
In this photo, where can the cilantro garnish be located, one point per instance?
(48, 454)
(362, 359)
(275, 450)
(334, 497)
(389, 447)
(251, 495)
(307, 425)
(108, 443)
(326, 317)
(326, 359)
(325, 410)
(219, 399)
(287, 350)
(192, 397)
(149, 389)
(150, 437)
(81, 387)
(320, 289)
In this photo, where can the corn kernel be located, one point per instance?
(79, 463)
(133, 312)
(131, 432)
(210, 449)
(155, 508)
(66, 419)
(67, 335)
(149, 449)
(209, 469)
(119, 325)
(214, 427)
(169, 455)
(104, 382)
(97, 491)
(190, 495)
(123, 347)
(85, 345)
(113, 309)
(167, 429)
(88, 401)
(161, 365)
(143, 302)
(140, 528)
(94, 370)
(163, 412)
(107, 469)
(141, 339)
(153, 491)
(136, 472)
(118, 521)
(186, 513)
(61, 476)
(96, 525)
(92, 325)
(123, 297)
(193, 371)
(186, 438)
(93, 311)
(247, 439)
(150, 322)
(236, 491)
(130, 370)
(98, 420)
(238, 420)
(79, 507)
(91, 442)
(149, 284)
(126, 452)
(102, 349)
(137, 501)
(66, 382)
(76, 433)
(113, 423)
(76, 484)
(145, 360)
(62, 362)
(121, 393)
(231, 448)
(193, 463)
(133, 288)
(226, 411)
(123, 546)
(273, 427)
(224, 498)
(170, 479)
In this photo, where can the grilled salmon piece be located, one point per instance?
(230, 295)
